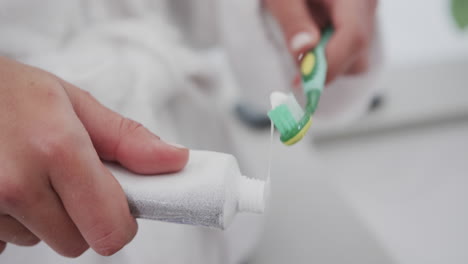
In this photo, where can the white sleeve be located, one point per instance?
(134, 66)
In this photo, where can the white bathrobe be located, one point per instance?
(178, 67)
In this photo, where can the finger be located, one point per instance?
(39, 210)
(2, 246)
(300, 29)
(14, 232)
(119, 139)
(92, 197)
(351, 37)
(360, 66)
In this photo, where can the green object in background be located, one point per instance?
(460, 13)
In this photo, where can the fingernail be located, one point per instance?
(301, 40)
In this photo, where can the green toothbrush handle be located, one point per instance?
(314, 72)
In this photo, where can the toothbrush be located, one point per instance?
(287, 115)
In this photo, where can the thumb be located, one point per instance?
(116, 138)
(300, 29)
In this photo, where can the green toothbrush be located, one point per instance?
(288, 116)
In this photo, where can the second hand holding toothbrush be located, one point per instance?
(287, 115)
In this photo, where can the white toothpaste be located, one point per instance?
(209, 191)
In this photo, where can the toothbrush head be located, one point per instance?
(289, 118)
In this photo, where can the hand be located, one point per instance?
(53, 185)
(353, 22)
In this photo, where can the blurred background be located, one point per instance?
(395, 184)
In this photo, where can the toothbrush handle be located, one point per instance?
(316, 79)
(314, 82)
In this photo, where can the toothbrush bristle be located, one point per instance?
(287, 115)
(280, 116)
(296, 110)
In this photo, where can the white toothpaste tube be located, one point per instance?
(209, 191)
